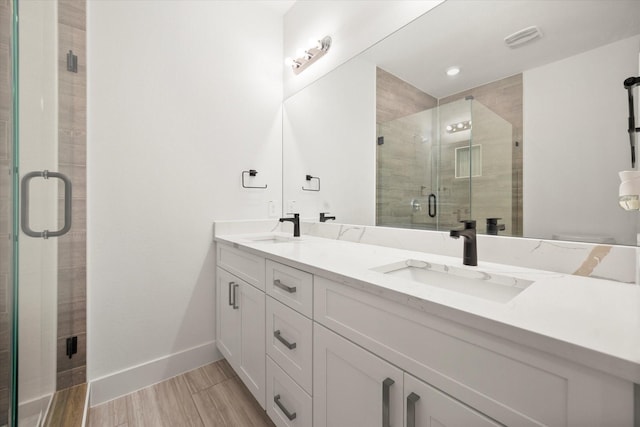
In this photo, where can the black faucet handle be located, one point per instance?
(469, 224)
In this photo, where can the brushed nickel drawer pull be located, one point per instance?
(287, 344)
(279, 284)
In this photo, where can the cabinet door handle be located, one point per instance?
(284, 410)
(411, 409)
(386, 416)
(290, 289)
(230, 293)
(287, 344)
(235, 296)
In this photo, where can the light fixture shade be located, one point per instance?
(629, 191)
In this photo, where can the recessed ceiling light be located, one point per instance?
(452, 71)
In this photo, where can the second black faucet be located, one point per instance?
(470, 254)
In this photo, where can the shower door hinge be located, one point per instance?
(72, 346)
(72, 62)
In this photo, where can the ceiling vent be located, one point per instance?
(522, 37)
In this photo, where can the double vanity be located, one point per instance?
(325, 332)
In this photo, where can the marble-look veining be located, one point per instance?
(595, 257)
(589, 321)
(609, 262)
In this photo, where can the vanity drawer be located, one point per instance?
(286, 400)
(289, 342)
(246, 266)
(290, 286)
(470, 366)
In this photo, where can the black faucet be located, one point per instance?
(493, 227)
(296, 224)
(470, 256)
(324, 217)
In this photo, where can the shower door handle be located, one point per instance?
(24, 204)
(432, 204)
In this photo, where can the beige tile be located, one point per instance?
(207, 376)
(143, 409)
(110, 414)
(176, 405)
(71, 377)
(229, 403)
(67, 407)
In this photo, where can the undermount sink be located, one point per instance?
(273, 238)
(477, 283)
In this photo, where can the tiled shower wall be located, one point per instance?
(5, 201)
(504, 97)
(72, 161)
(401, 162)
(398, 182)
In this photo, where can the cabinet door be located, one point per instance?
(427, 406)
(227, 317)
(252, 369)
(352, 387)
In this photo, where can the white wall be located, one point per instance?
(582, 126)
(182, 96)
(329, 131)
(354, 26)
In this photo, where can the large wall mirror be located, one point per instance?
(533, 132)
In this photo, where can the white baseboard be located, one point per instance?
(135, 378)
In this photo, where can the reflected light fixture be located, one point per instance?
(453, 71)
(458, 127)
(305, 57)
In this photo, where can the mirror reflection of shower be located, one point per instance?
(443, 164)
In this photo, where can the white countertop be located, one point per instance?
(589, 321)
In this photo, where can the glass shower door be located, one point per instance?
(35, 221)
(6, 211)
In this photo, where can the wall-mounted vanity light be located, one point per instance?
(305, 57)
(459, 127)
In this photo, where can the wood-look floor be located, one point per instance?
(67, 407)
(209, 396)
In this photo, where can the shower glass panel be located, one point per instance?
(6, 210)
(416, 159)
(456, 129)
(492, 188)
(407, 164)
(33, 148)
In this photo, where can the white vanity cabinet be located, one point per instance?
(427, 406)
(315, 352)
(353, 387)
(475, 376)
(289, 339)
(240, 314)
